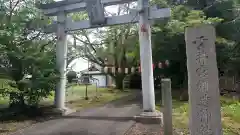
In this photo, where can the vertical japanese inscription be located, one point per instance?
(203, 114)
(204, 101)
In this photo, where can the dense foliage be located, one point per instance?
(27, 57)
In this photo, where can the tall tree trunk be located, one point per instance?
(119, 80)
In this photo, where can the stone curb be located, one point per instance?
(149, 118)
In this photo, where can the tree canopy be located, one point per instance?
(27, 55)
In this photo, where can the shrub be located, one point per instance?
(71, 75)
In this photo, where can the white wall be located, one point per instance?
(101, 80)
(78, 64)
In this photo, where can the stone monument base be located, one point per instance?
(149, 118)
(62, 112)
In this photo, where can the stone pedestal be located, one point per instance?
(149, 118)
(62, 112)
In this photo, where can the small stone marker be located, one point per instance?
(167, 106)
(203, 83)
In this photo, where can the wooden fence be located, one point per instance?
(229, 84)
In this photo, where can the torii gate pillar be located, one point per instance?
(146, 57)
(61, 61)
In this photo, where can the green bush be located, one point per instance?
(71, 75)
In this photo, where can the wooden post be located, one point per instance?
(167, 106)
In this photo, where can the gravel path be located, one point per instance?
(145, 129)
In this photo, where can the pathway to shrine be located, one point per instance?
(114, 118)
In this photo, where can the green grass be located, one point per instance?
(76, 93)
(3, 101)
(230, 110)
(230, 116)
(75, 96)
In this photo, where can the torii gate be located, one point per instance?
(95, 9)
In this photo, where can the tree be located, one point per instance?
(169, 44)
(27, 56)
(119, 44)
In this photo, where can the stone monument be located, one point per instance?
(203, 82)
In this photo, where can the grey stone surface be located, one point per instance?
(112, 119)
(167, 106)
(149, 118)
(203, 82)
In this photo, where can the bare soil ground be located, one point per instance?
(145, 129)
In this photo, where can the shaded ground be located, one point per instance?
(112, 119)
